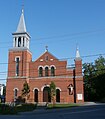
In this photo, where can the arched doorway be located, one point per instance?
(36, 95)
(46, 94)
(57, 95)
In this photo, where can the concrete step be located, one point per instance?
(42, 104)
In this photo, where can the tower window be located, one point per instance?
(46, 58)
(23, 41)
(15, 93)
(46, 71)
(19, 42)
(52, 71)
(40, 72)
(17, 66)
(15, 42)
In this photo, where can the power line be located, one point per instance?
(72, 34)
(62, 59)
(35, 70)
(62, 74)
(61, 36)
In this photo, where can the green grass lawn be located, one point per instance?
(51, 106)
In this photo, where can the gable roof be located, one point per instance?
(46, 53)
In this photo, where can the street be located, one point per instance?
(82, 112)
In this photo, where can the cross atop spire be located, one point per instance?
(23, 5)
(21, 26)
(46, 48)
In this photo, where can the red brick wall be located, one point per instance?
(25, 58)
(79, 81)
(62, 79)
(60, 65)
(11, 84)
(60, 83)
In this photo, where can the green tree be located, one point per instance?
(89, 73)
(94, 76)
(99, 87)
(53, 92)
(25, 91)
(100, 65)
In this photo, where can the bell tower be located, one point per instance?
(78, 90)
(20, 55)
(21, 38)
(19, 58)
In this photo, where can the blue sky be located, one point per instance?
(60, 24)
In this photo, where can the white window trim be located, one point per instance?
(15, 89)
(17, 57)
(40, 66)
(35, 88)
(58, 88)
(53, 66)
(44, 87)
(46, 66)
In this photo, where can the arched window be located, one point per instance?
(17, 66)
(19, 41)
(46, 71)
(40, 71)
(57, 95)
(36, 95)
(15, 92)
(52, 71)
(46, 58)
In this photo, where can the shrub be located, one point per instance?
(6, 109)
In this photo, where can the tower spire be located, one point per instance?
(21, 26)
(21, 38)
(77, 53)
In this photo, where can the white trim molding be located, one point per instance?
(35, 88)
(17, 57)
(58, 88)
(44, 87)
(15, 89)
(46, 66)
(53, 66)
(40, 66)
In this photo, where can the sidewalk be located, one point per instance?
(93, 103)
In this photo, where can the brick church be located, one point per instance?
(40, 73)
